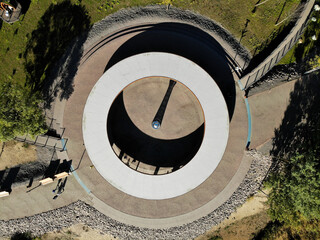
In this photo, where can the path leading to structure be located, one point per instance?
(267, 111)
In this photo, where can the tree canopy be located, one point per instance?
(20, 112)
(295, 192)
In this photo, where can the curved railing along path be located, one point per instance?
(253, 76)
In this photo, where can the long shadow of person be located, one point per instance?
(61, 24)
(60, 188)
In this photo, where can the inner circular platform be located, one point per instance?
(95, 127)
(155, 125)
(183, 113)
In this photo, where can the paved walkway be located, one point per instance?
(267, 111)
(22, 203)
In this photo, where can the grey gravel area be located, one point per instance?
(138, 15)
(80, 212)
(278, 75)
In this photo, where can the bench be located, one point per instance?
(116, 150)
(46, 181)
(4, 194)
(61, 175)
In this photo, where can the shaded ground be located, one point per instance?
(60, 24)
(300, 125)
(147, 149)
(279, 75)
(21, 172)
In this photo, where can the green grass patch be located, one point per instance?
(308, 47)
(232, 14)
(289, 57)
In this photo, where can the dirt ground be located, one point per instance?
(242, 224)
(77, 232)
(13, 153)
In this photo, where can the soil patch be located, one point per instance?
(79, 232)
(244, 229)
(76, 232)
(244, 222)
(13, 153)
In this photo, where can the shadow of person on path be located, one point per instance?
(9, 180)
(300, 127)
(60, 188)
(57, 187)
(65, 166)
(50, 61)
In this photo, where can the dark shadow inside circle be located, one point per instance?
(144, 148)
(186, 41)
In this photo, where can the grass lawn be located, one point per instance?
(242, 224)
(232, 14)
(308, 47)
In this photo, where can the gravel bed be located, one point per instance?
(80, 212)
(158, 13)
(278, 75)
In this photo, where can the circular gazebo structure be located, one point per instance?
(155, 124)
(104, 156)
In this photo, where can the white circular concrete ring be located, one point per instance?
(100, 99)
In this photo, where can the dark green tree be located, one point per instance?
(295, 195)
(20, 112)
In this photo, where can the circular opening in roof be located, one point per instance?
(155, 125)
